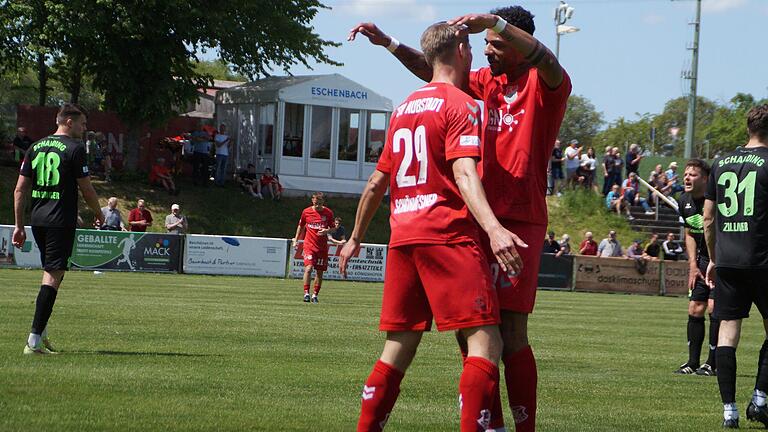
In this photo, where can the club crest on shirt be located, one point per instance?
(511, 94)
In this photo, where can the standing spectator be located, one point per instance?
(139, 219)
(635, 251)
(588, 168)
(551, 246)
(222, 142)
(607, 170)
(21, 143)
(588, 246)
(565, 245)
(615, 200)
(556, 169)
(618, 163)
(338, 232)
(160, 175)
(633, 159)
(112, 219)
(271, 183)
(673, 179)
(653, 248)
(314, 225)
(249, 181)
(672, 248)
(572, 162)
(176, 222)
(630, 190)
(103, 158)
(200, 149)
(609, 247)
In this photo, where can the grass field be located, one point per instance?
(149, 352)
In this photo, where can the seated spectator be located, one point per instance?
(630, 191)
(270, 183)
(338, 233)
(609, 247)
(176, 222)
(614, 200)
(248, 180)
(112, 219)
(551, 246)
(635, 251)
(588, 246)
(139, 218)
(653, 248)
(565, 245)
(160, 175)
(672, 249)
(673, 179)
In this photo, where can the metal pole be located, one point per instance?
(557, 46)
(690, 124)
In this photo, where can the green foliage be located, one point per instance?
(243, 353)
(218, 69)
(582, 121)
(579, 211)
(621, 133)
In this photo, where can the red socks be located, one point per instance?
(306, 289)
(497, 413)
(479, 388)
(316, 291)
(521, 377)
(379, 395)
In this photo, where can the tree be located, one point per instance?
(582, 121)
(621, 133)
(674, 116)
(218, 69)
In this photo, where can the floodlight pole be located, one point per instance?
(690, 123)
(562, 13)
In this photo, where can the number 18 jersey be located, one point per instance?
(54, 164)
(434, 126)
(738, 185)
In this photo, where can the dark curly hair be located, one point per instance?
(518, 17)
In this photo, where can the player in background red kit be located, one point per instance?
(314, 225)
(435, 266)
(524, 90)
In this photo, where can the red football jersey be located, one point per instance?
(435, 125)
(520, 127)
(314, 221)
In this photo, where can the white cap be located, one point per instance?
(175, 207)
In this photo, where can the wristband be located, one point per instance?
(500, 25)
(393, 44)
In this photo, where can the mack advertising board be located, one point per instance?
(126, 251)
(28, 256)
(367, 266)
(230, 255)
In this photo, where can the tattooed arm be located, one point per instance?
(411, 58)
(534, 52)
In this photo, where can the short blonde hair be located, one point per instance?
(439, 41)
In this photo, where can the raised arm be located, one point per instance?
(533, 51)
(411, 58)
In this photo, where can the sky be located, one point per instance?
(627, 57)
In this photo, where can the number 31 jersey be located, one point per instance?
(54, 164)
(434, 126)
(738, 185)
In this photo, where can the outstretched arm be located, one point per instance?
(411, 58)
(528, 46)
(366, 209)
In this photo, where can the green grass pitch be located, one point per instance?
(146, 352)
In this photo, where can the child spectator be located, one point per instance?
(160, 175)
(270, 183)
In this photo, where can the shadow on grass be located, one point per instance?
(140, 353)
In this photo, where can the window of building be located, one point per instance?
(349, 124)
(293, 135)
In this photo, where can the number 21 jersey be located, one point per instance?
(738, 185)
(434, 126)
(54, 164)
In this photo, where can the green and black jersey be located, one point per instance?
(738, 185)
(692, 217)
(54, 164)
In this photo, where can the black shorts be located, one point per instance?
(55, 246)
(701, 291)
(737, 289)
(557, 172)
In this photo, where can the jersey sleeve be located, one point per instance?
(462, 138)
(26, 165)
(79, 163)
(385, 159)
(711, 192)
(477, 79)
(303, 219)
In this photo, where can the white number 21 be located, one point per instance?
(410, 143)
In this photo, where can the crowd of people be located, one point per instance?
(652, 249)
(139, 218)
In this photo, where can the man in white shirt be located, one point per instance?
(572, 161)
(222, 141)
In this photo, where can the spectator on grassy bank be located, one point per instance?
(588, 168)
(609, 246)
(572, 162)
(249, 181)
(633, 159)
(588, 246)
(556, 169)
(270, 184)
(630, 191)
(552, 246)
(653, 248)
(672, 248)
(140, 218)
(176, 222)
(160, 175)
(673, 179)
(222, 142)
(21, 142)
(607, 166)
(615, 201)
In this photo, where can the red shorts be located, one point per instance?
(448, 282)
(316, 258)
(518, 294)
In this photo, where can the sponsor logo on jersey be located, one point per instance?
(418, 202)
(469, 141)
(417, 106)
(500, 117)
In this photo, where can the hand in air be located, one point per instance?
(475, 23)
(373, 33)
